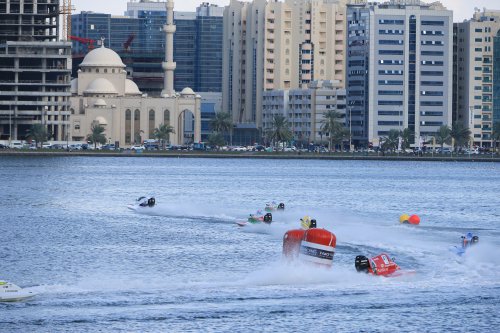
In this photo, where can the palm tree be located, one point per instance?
(222, 123)
(391, 142)
(216, 140)
(495, 135)
(407, 136)
(162, 133)
(339, 135)
(460, 134)
(97, 134)
(443, 136)
(280, 130)
(39, 133)
(331, 124)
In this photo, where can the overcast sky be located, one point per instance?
(462, 9)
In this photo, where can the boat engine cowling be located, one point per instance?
(268, 218)
(318, 246)
(362, 264)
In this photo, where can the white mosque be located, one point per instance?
(103, 95)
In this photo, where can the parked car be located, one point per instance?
(3, 146)
(471, 151)
(16, 145)
(137, 147)
(444, 150)
(108, 147)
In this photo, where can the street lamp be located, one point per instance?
(471, 122)
(67, 135)
(350, 128)
(10, 124)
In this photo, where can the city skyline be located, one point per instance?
(462, 9)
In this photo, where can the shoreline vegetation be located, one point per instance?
(260, 155)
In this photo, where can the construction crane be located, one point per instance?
(65, 11)
(126, 45)
(87, 41)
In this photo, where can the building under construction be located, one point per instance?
(35, 69)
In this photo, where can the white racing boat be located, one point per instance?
(142, 202)
(9, 292)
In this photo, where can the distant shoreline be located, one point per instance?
(257, 155)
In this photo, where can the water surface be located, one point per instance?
(184, 266)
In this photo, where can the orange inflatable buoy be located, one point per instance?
(414, 219)
(318, 246)
(291, 243)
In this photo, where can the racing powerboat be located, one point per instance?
(307, 222)
(381, 265)
(9, 292)
(466, 242)
(273, 206)
(257, 218)
(143, 202)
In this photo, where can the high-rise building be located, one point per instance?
(475, 75)
(208, 73)
(399, 68)
(496, 78)
(278, 45)
(35, 69)
(139, 40)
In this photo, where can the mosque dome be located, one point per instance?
(187, 91)
(131, 88)
(101, 121)
(100, 86)
(102, 57)
(74, 86)
(100, 102)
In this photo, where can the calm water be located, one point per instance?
(184, 266)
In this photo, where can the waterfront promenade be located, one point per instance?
(261, 155)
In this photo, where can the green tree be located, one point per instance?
(443, 135)
(332, 125)
(407, 136)
(96, 134)
(391, 141)
(495, 135)
(280, 130)
(162, 133)
(138, 137)
(222, 123)
(39, 133)
(460, 134)
(339, 136)
(216, 140)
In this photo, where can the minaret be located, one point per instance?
(169, 65)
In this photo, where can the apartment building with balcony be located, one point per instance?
(304, 109)
(474, 73)
(278, 46)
